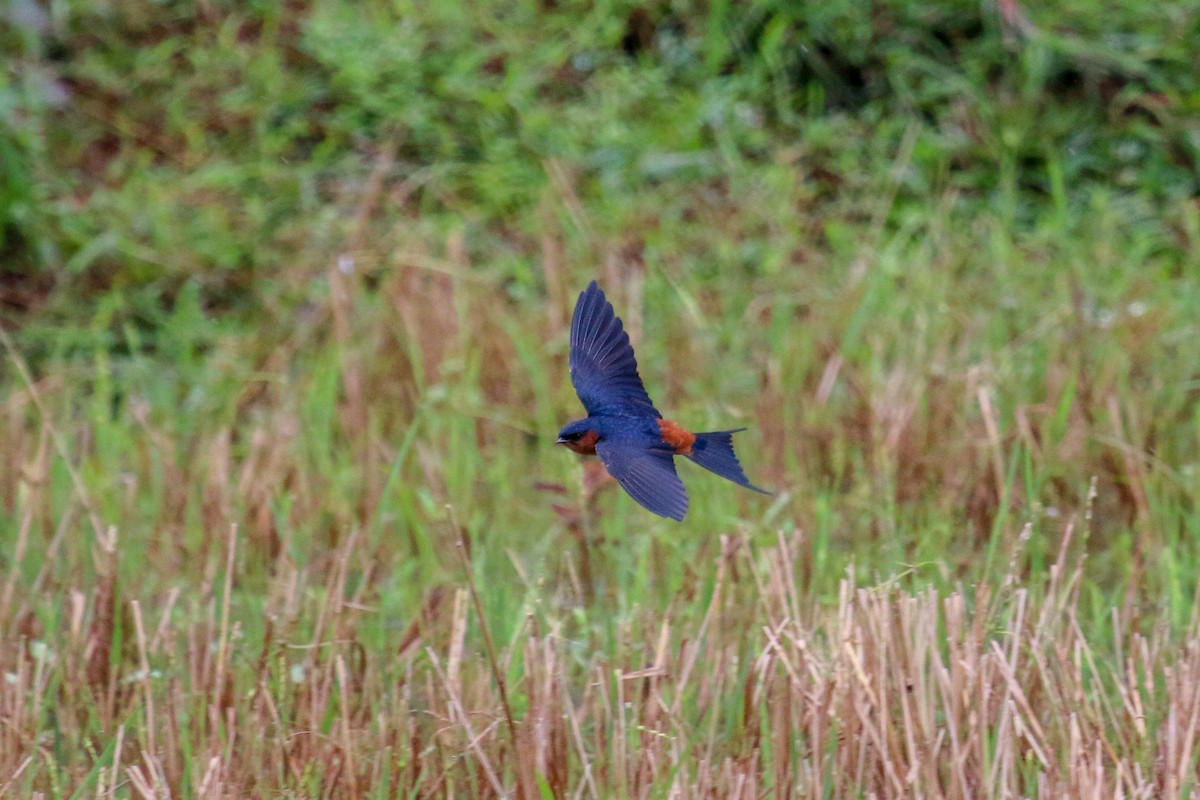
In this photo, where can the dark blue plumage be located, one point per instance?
(638, 447)
(647, 473)
(603, 367)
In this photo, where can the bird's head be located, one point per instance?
(579, 436)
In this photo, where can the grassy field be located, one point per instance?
(284, 299)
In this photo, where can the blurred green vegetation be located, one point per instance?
(149, 146)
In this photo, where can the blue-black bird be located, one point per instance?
(638, 447)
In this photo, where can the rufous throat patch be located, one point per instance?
(586, 444)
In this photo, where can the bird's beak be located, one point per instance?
(560, 440)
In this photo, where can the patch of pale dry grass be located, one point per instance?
(986, 691)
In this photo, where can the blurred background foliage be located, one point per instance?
(172, 157)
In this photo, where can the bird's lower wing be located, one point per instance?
(648, 475)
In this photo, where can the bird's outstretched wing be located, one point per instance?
(603, 367)
(648, 475)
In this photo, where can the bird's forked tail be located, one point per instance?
(714, 452)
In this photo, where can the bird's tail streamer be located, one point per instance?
(714, 452)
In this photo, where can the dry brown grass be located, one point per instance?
(986, 691)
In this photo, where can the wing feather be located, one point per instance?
(603, 366)
(647, 475)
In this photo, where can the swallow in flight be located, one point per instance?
(636, 445)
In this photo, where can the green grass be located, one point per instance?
(286, 293)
